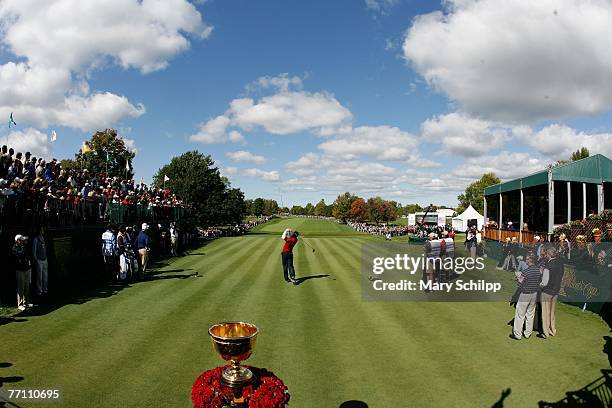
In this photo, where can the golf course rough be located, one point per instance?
(143, 345)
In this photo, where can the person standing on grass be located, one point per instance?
(109, 252)
(39, 254)
(173, 239)
(291, 239)
(531, 280)
(550, 292)
(23, 270)
(143, 243)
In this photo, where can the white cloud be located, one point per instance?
(379, 142)
(284, 112)
(517, 60)
(244, 156)
(236, 137)
(281, 82)
(558, 142)
(506, 165)
(289, 112)
(74, 34)
(213, 131)
(57, 44)
(30, 140)
(464, 135)
(261, 174)
(130, 145)
(382, 6)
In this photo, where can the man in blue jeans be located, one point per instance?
(291, 238)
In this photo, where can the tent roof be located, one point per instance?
(470, 213)
(595, 169)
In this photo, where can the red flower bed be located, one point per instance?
(266, 391)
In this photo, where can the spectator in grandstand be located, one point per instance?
(39, 255)
(23, 270)
(565, 248)
(143, 244)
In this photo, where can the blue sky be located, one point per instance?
(410, 100)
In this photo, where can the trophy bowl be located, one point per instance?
(234, 342)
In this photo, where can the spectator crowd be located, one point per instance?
(388, 231)
(28, 183)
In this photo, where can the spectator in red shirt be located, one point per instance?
(291, 238)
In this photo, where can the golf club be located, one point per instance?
(309, 246)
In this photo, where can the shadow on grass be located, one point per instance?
(353, 404)
(166, 277)
(299, 281)
(500, 402)
(6, 320)
(8, 380)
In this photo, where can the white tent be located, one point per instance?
(468, 217)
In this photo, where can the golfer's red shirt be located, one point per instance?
(289, 244)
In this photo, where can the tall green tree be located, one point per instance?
(342, 206)
(194, 178)
(474, 193)
(257, 208)
(107, 153)
(321, 208)
(580, 154)
(309, 209)
(380, 210)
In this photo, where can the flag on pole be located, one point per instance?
(12, 121)
(166, 178)
(85, 148)
(53, 136)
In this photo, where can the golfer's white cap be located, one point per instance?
(537, 238)
(20, 237)
(145, 226)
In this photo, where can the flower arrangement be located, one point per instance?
(596, 231)
(580, 238)
(267, 391)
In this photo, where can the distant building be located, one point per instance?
(537, 203)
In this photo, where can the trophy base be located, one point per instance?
(236, 376)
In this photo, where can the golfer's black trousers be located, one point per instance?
(288, 270)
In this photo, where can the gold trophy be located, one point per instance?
(234, 342)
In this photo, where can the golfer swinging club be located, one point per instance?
(291, 238)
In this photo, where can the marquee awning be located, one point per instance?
(596, 169)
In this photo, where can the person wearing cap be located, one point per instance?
(23, 271)
(537, 246)
(291, 239)
(143, 244)
(39, 255)
(471, 241)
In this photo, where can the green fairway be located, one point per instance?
(143, 345)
